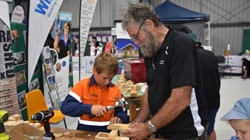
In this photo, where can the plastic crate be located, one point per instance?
(134, 69)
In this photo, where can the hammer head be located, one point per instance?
(120, 103)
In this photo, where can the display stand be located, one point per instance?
(49, 75)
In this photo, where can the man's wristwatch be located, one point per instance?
(151, 127)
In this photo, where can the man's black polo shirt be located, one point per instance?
(176, 65)
(211, 77)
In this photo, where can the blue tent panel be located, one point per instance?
(170, 12)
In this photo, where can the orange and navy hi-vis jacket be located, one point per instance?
(86, 93)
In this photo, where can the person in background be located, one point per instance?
(114, 47)
(174, 104)
(92, 96)
(76, 45)
(50, 40)
(62, 44)
(211, 83)
(95, 46)
(108, 45)
(245, 68)
(94, 34)
(239, 119)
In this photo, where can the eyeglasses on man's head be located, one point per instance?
(137, 34)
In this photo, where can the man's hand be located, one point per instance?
(115, 120)
(98, 110)
(137, 131)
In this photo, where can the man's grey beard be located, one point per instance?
(150, 45)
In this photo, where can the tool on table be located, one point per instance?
(4, 115)
(119, 103)
(43, 117)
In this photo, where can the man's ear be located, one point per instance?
(150, 24)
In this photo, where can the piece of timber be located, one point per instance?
(74, 134)
(113, 135)
(102, 136)
(118, 126)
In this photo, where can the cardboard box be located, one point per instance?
(134, 69)
(227, 52)
(25, 132)
(10, 124)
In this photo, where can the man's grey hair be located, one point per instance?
(139, 13)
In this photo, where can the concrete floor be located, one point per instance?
(231, 90)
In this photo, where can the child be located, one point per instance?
(239, 119)
(92, 96)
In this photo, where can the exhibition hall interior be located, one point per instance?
(124, 69)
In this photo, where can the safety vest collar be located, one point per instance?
(92, 81)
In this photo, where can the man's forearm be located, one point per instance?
(178, 101)
(144, 109)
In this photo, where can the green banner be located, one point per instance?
(246, 40)
(18, 32)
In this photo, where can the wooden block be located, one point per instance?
(124, 85)
(127, 90)
(118, 126)
(132, 87)
(102, 136)
(137, 87)
(120, 81)
(57, 135)
(121, 76)
(129, 82)
(32, 124)
(41, 128)
(122, 138)
(113, 135)
(37, 125)
(133, 93)
(66, 133)
(12, 118)
(16, 117)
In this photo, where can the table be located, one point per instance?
(235, 61)
(79, 134)
(133, 103)
(74, 134)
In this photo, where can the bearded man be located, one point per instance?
(173, 105)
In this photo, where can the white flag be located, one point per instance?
(41, 16)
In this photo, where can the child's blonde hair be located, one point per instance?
(106, 62)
